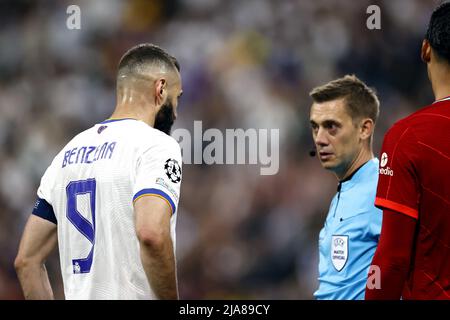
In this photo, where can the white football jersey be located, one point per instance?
(91, 185)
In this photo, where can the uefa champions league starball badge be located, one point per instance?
(173, 170)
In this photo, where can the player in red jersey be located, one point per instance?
(413, 254)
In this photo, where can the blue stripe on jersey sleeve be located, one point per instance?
(44, 210)
(156, 192)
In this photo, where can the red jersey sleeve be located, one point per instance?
(398, 186)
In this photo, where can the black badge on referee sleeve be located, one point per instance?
(173, 170)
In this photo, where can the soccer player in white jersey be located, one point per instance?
(109, 198)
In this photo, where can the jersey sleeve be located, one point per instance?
(159, 173)
(43, 207)
(398, 184)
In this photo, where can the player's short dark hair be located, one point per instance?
(138, 57)
(360, 100)
(438, 33)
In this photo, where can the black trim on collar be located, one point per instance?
(353, 174)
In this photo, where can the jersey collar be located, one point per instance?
(443, 99)
(116, 119)
(357, 175)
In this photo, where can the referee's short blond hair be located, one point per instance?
(360, 100)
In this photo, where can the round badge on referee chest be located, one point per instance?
(173, 170)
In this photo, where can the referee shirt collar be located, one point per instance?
(357, 175)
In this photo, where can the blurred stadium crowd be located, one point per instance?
(245, 64)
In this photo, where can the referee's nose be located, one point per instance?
(321, 139)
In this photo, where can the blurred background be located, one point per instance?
(244, 64)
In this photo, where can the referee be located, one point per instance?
(343, 118)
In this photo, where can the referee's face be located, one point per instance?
(335, 136)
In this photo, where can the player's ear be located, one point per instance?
(160, 91)
(426, 51)
(366, 128)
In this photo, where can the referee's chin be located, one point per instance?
(328, 165)
(333, 167)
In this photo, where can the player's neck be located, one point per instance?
(363, 156)
(441, 91)
(134, 112)
(441, 82)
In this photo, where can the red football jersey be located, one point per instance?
(414, 179)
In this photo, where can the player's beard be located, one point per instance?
(164, 118)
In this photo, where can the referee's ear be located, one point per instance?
(366, 128)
